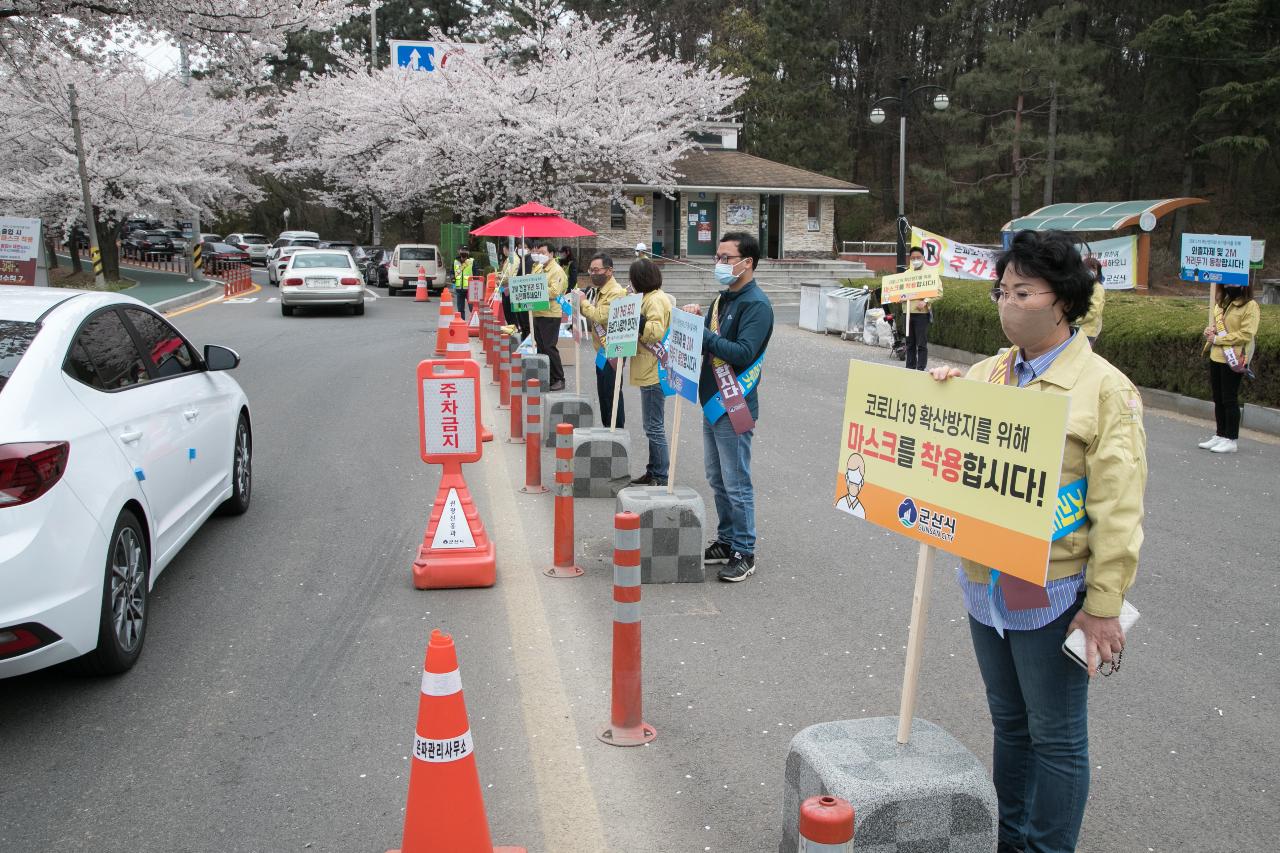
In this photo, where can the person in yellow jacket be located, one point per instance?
(1229, 340)
(1091, 323)
(655, 319)
(546, 323)
(595, 308)
(1037, 696)
(462, 268)
(919, 319)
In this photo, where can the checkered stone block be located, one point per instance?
(931, 795)
(537, 367)
(601, 462)
(565, 408)
(670, 532)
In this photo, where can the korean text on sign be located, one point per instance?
(910, 285)
(449, 416)
(684, 347)
(968, 467)
(530, 292)
(1215, 259)
(622, 335)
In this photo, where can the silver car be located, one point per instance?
(276, 265)
(255, 244)
(321, 277)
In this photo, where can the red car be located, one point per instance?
(220, 255)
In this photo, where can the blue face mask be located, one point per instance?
(725, 274)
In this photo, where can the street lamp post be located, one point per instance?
(903, 99)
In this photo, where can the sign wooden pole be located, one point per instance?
(617, 390)
(915, 640)
(906, 317)
(675, 448)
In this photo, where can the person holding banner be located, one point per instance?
(1036, 694)
(546, 323)
(462, 269)
(735, 335)
(1229, 342)
(918, 319)
(655, 320)
(595, 307)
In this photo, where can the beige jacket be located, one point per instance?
(599, 314)
(655, 311)
(557, 284)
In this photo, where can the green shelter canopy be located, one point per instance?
(1097, 215)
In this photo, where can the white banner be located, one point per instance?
(1119, 259)
(955, 260)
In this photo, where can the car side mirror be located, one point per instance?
(220, 358)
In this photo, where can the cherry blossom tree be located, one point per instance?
(153, 147)
(556, 103)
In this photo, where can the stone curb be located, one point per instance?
(207, 292)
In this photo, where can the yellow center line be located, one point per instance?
(256, 288)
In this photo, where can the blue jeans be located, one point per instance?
(652, 405)
(727, 457)
(1039, 711)
(460, 301)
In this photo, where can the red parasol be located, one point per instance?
(532, 220)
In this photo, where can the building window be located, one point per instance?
(617, 216)
(815, 213)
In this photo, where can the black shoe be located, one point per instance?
(741, 566)
(717, 552)
(1006, 847)
(657, 482)
(646, 480)
(556, 386)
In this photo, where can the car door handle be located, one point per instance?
(191, 414)
(131, 437)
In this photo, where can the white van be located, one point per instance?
(402, 270)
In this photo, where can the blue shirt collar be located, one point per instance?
(1027, 371)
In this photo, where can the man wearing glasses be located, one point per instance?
(735, 335)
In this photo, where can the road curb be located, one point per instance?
(1260, 418)
(207, 292)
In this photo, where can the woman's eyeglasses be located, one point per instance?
(1019, 296)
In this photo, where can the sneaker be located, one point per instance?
(717, 552)
(1226, 445)
(645, 480)
(741, 566)
(556, 386)
(1209, 442)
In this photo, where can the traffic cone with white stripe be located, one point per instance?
(443, 321)
(421, 295)
(445, 811)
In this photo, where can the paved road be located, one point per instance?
(274, 707)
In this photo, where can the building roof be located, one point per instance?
(727, 170)
(1097, 215)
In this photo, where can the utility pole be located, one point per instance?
(193, 273)
(91, 221)
(375, 212)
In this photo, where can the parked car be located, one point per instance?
(255, 244)
(218, 255)
(147, 245)
(118, 439)
(321, 277)
(296, 238)
(179, 240)
(206, 237)
(275, 268)
(402, 271)
(374, 265)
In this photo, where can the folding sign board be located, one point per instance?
(449, 411)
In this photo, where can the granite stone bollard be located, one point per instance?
(931, 795)
(601, 462)
(563, 407)
(671, 528)
(537, 367)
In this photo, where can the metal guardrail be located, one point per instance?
(862, 247)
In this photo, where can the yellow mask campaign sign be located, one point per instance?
(909, 286)
(967, 467)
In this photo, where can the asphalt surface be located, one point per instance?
(274, 706)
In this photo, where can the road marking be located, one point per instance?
(240, 300)
(372, 295)
(214, 301)
(559, 774)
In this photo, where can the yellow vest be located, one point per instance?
(462, 273)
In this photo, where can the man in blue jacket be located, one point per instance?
(735, 335)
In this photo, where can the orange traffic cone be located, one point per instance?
(445, 320)
(445, 811)
(421, 294)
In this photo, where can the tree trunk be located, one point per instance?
(1015, 179)
(108, 233)
(1053, 143)
(73, 249)
(51, 256)
(1180, 215)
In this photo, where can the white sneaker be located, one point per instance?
(1227, 445)
(1208, 443)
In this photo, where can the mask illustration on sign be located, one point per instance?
(725, 274)
(1027, 327)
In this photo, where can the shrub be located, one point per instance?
(1156, 341)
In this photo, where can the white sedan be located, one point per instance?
(277, 263)
(321, 277)
(117, 440)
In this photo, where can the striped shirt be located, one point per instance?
(985, 602)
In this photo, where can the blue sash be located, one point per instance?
(713, 409)
(1070, 516)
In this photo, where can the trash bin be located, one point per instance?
(845, 309)
(813, 304)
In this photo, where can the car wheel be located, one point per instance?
(392, 291)
(286, 310)
(358, 310)
(123, 621)
(241, 471)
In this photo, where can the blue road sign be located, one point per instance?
(419, 55)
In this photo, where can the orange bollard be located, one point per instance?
(445, 809)
(826, 824)
(504, 372)
(420, 295)
(626, 718)
(490, 285)
(533, 439)
(517, 399)
(563, 550)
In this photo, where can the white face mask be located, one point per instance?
(539, 258)
(917, 263)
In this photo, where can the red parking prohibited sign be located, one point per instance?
(449, 411)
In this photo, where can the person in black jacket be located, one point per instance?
(735, 335)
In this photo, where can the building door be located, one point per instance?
(666, 230)
(701, 228)
(771, 226)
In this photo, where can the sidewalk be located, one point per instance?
(152, 287)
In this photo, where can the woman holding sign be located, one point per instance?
(1229, 342)
(655, 319)
(1036, 694)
